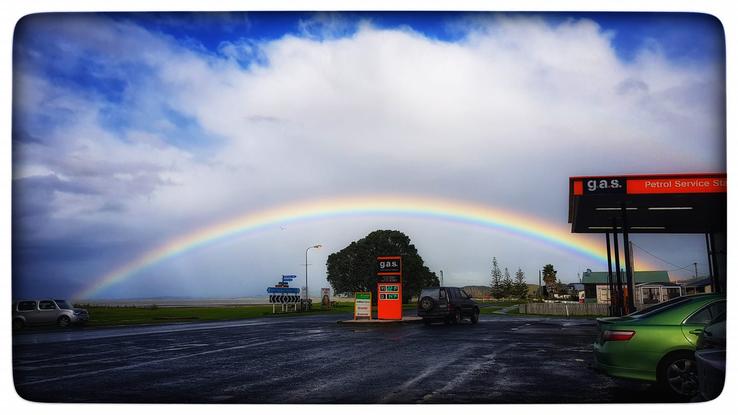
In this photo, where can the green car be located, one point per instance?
(657, 344)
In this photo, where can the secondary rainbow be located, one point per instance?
(335, 208)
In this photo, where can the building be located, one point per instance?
(596, 289)
(695, 286)
(649, 293)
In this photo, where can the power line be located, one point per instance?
(684, 267)
(665, 261)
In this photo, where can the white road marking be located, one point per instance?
(424, 374)
(465, 375)
(43, 338)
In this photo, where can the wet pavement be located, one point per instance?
(311, 359)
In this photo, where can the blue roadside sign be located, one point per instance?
(279, 290)
(288, 277)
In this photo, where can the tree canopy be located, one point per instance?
(496, 281)
(549, 278)
(353, 269)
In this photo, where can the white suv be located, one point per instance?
(38, 312)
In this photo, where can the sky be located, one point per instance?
(133, 130)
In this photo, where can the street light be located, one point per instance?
(307, 297)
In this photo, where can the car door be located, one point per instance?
(466, 299)
(46, 312)
(443, 299)
(694, 324)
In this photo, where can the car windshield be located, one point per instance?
(661, 307)
(63, 304)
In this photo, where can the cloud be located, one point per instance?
(130, 130)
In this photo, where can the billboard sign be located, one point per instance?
(389, 287)
(674, 185)
(644, 185)
(389, 265)
(389, 269)
(325, 297)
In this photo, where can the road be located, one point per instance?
(311, 359)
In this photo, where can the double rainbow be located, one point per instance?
(558, 234)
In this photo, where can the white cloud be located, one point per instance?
(504, 116)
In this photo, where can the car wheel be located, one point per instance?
(18, 324)
(427, 303)
(475, 316)
(678, 376)
(63, 321)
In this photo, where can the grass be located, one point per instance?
(491, 306)
(115, 316)
(118, 316)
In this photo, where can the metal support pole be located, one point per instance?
(619, 288)
(709, 255)
(307, 293)
(628, 262)
(610, 285)
(715, 270)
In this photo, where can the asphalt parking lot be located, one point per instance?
(311, 359)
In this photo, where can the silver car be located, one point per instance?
(39, 312)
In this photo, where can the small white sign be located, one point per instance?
(363, 305)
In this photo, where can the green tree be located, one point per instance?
(496, 282)
(507, 284)
(520, 288)
(549, 278)
(353, 269)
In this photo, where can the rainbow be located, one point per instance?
(558, 235)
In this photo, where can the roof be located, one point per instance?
(658, 284)
(638, 277)
(676, 203)
(697, 283)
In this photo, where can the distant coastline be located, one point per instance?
(186, 302)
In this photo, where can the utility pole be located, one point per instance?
(307, 295)
(441, 278)
(540, 288)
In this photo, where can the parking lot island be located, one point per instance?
(404, 320)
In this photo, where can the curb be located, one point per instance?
(405, 320)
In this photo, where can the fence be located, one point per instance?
(563, 309)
